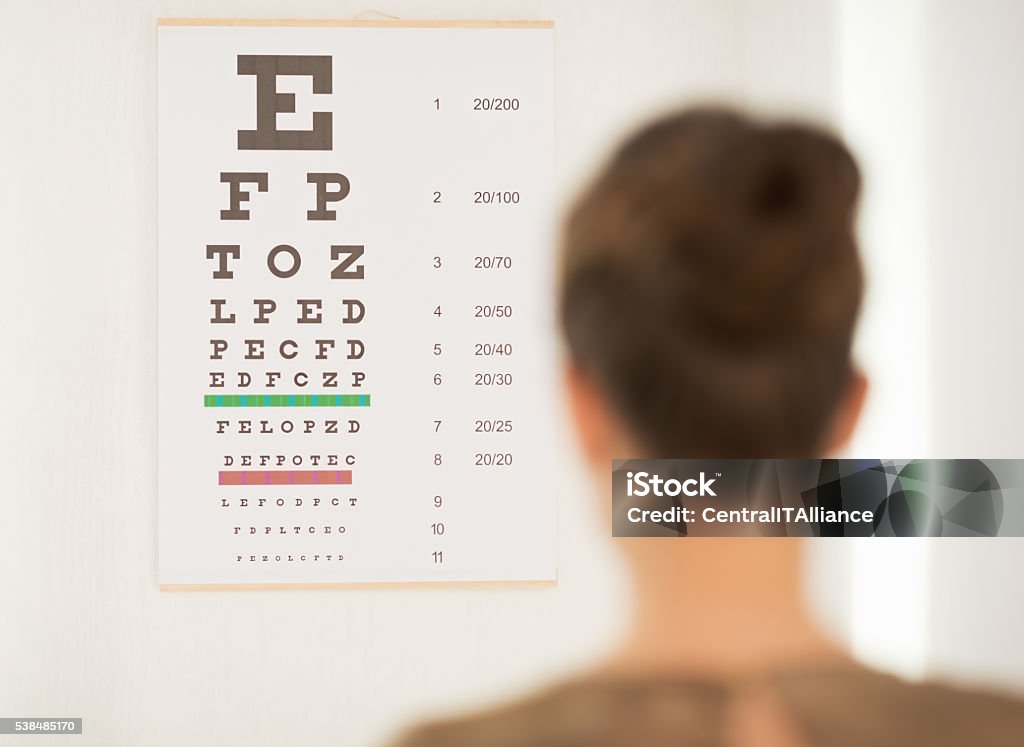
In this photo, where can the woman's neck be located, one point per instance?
(719, 606)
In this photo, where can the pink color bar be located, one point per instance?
(285, 477)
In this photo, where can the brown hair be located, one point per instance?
(710, 284)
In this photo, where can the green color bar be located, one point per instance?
(286, 400)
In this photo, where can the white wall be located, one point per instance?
(83, 629)
(881, 68)
(976, 167)
(928, 94)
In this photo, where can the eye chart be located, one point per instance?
(356, 352)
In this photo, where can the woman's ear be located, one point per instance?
(589, 416)
(847, 413)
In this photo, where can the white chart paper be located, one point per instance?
(356, 353)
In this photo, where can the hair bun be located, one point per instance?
(793, 172)
(711, 282)
(780, 190)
